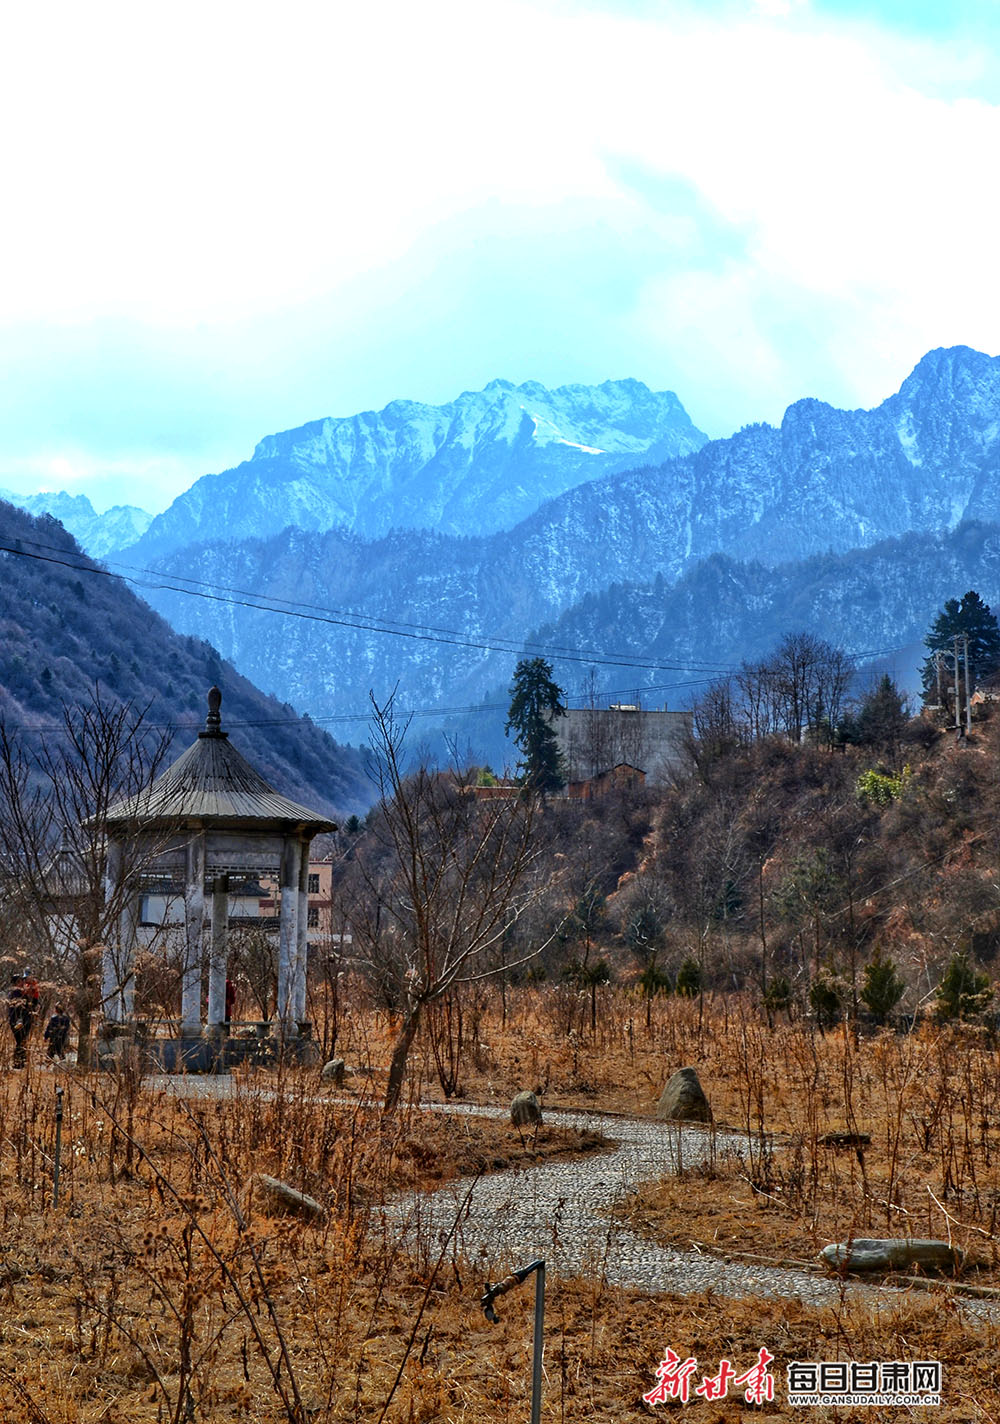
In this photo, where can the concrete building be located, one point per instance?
(595, 740)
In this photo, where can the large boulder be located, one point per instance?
(526, 1110)
(333, 1072)
(280, 1199)
(892, 1254)
(683, 1099)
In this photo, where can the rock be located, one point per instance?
(894, 1254)
(333, 1072)
(308, 1054)
(845, 1139)
(525, 1110)
(280, 1198)
(683, 1100)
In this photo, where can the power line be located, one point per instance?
(389, 627)
(378, 623)
(370, 623)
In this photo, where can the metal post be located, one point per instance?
(539, 1337)
(516, 1278)
(58, 1151)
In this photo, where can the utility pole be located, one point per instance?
(968, 697)
(940, 692)
(958, 709)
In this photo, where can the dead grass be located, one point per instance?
(158, 1290)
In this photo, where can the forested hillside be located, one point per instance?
(65, 625)
(796, 872)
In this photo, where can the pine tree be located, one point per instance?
(963, 990)
(535, 701)
(974, 619)
(881, 717)
(883, 987)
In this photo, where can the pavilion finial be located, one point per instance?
(213, 722)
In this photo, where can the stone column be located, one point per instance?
(128, 926)
(194, 923)
(111, 996)
(219, 953)
(291, 860)
(302, 940)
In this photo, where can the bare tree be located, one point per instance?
(590, 750)
(801, 684)
(56, 787)
(438, 881)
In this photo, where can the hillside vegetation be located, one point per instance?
(65, 625)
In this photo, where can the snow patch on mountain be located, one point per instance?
(546, 433)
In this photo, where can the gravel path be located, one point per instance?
(559, 1211)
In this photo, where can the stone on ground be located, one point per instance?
(281, 1199)
(525, 1110)
(683, 1099)
(893, 1254)
(333, 1072)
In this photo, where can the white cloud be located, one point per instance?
(207, 167)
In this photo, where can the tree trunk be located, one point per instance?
(397, 1065)
(88, 964)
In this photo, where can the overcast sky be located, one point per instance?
(222, 220)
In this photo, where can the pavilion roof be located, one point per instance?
(213, 782)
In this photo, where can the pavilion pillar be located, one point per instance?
(112, 1002)
(128, 926)
(219, 952)
(302, 938)
(194, 924)
(291, 862)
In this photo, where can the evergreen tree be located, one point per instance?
(883, 987)
(535, 701)
(963, 990)
(881, 717)
(973, 618)
(689, 979)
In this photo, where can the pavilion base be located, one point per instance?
(219, 1051)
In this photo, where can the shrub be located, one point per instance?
(654, 980)
(963, 990)
(883, 988)
(826, 998)
(879, 787)
(778, 995)
(689, 979)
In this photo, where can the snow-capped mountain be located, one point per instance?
(99, 534)
(826, 480)
(479, 464)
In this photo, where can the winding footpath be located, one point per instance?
(563, 1211)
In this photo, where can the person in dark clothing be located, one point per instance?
(56, 1033)
(20, 1017)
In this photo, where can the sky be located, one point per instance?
(222, 220)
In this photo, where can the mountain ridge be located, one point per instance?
(823, 480)
(99, 534)
(477, 464)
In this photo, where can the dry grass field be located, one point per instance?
(160, 1289)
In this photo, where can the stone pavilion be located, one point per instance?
(209, 819)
